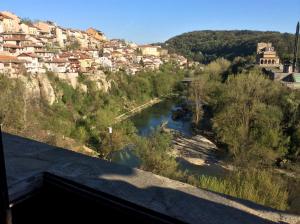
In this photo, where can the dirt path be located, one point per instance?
(135, 110)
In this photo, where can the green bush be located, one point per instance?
(13, 109)
(258, 186)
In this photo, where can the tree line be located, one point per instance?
(255, 121)
(208, 45)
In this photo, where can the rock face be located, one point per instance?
(46, 90)
(32, 89)
(38, 87)
(100, 80)
(70, 78)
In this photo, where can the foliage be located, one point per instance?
(86, 116)
(13, 103)
(154, 155)
(27, 21)
(208, 45)
(248, 118)
(259, 186)
(73, 45)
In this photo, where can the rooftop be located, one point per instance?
(27, 161)
(10, 59)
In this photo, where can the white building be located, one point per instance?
(31, 62)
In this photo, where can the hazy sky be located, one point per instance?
(147, 21)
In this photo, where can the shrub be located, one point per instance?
(258, 186)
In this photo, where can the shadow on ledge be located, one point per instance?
(77, 188)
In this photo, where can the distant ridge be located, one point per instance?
(207, 45)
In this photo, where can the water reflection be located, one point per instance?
(151, 118)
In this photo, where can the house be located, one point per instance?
(149, 50)
(7, 25)
(98, 35)
(13, 49)
(163, 52)
(24, 28)
(43, 27)
(32, 30)
(266, 55)
(93, 43)
(12, 15)
(94, 53)
(84, 40)
(32, 48)
(16, 39)
(61, 36)
(45, 54)
(31, 62)
(85, 62)
(105, 63)
(10, 22)
(1, 24)
(57, 65)
(1, 43)
(72, 58)
(29, 29)
(11, 65)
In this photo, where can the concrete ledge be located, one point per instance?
(27, 160)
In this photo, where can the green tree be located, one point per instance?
(248, 119)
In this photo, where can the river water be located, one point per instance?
(148, 121)
(153, 117)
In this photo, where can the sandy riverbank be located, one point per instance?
(199, 155)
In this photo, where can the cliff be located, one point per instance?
(39, 87)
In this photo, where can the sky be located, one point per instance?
(151, 21)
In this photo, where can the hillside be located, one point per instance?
(207, 45)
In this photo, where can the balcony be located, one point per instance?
(52, 185)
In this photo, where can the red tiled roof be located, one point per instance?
(44, 51)
(12, 34)
(3, 16)
(58, 60)
(33, 45)
(10, 59)
(32, 55)
(12, 46)
(14, 38)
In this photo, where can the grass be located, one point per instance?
(258, 186)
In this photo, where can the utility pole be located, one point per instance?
(5, 211)
(296, 48)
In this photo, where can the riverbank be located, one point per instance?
(136, 110)
(199, 156)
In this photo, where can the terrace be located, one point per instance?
(46, 184)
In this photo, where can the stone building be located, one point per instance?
(98, 35)
(266, 55)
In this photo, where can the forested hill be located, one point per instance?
(207, 45)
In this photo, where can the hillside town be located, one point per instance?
(43, 46)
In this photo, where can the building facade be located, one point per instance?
(266, 55)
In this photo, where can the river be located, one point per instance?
(153, 117)
(147, 121)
